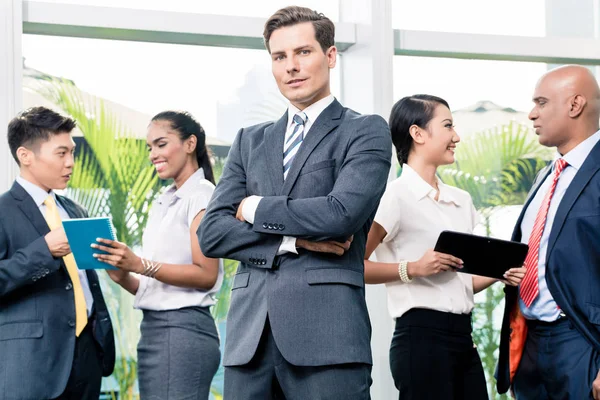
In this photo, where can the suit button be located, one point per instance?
(281, 227)
(265, 225)
(251, 260)
(69, 286)
(71, 323)
(264, 262)
(94, 284)
(34, 278)
(47, 271)
(270, 226)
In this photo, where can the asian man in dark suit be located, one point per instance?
(56, 337)
(550, 340)
(304, 190)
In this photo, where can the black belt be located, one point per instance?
(536, 322)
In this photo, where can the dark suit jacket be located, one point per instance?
(37, 309)
(572, 266)
(314, 301)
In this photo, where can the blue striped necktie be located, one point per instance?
(293, 142)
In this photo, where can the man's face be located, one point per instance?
(550, 114)
(300, 67)
(50, 163)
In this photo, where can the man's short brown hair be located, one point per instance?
(292, 15)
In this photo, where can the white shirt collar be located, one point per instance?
(420, 188)
(577, 155)
(38, 194)
(187, 189)
(312, 112)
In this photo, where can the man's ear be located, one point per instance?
(331, 54)
(25, 156)
(417, 134)
(577, 104)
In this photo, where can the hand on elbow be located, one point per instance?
(330, 246)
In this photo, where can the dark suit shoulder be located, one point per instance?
(351, 115)
(6, 200)
(250, 130)
(67, 202)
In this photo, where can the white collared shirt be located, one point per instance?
(39, 195)
(288, 244)
(167, 240)
(413, 220)
(544, 307)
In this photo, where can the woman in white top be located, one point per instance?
(432, 355)
(178, 353)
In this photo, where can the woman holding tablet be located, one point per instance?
(432, 355)
(174, 284)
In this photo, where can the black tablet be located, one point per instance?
(482, 255)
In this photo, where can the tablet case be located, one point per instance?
(482, 255)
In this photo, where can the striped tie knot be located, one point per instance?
(559, 165)
(300, 118)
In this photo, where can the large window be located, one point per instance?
(225, 89)
(230, 7)
(509, 17)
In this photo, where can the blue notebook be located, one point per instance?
(81, 233)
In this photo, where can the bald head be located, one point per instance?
(567, 107)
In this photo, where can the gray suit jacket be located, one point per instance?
(314, 301)
(37, 311)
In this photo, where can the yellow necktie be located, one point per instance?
(54, 221)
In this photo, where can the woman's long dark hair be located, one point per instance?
(418, 110)
(186, 125)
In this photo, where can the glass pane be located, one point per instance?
(509, 17)
(261, 9)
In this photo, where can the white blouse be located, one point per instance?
(413, 220)
(166, 239)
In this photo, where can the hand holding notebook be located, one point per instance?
(81, 233)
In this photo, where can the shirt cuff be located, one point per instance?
(288, 245)
(249, 208)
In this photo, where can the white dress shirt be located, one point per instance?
(288, 244)
(167, 240)
(39, 195)
(413, 220)
(544, 307)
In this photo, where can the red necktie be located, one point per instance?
(529, 288)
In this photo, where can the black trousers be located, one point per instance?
(86, 373)
(557, 364)
(432, 356)
(269, 376)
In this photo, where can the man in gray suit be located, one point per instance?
(294, 206)
(56, 338)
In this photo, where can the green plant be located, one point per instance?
(497, 167)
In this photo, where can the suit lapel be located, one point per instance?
(66, 205)
(589, 168)
(329, 119)
(516, 236)
(29, 208)
(273, 146)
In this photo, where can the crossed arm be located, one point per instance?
(356, 192)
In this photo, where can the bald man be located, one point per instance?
(550, 340)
